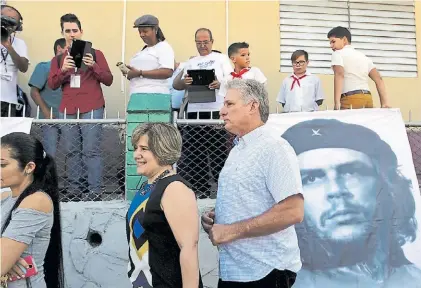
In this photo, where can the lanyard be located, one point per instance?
(5, 55)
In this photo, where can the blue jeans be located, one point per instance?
(82, 146)
(50, 138)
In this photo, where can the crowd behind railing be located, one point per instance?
(259, 187)
(68, 86)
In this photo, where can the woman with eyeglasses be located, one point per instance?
(30, 215)
(163, 219)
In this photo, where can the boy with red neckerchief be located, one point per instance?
(301, 91)
(240, 56)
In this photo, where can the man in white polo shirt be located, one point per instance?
(14, 58)
(352, 70)
(302, 91)
(259, 197)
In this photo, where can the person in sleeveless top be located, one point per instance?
(30, 213)
(163, 219)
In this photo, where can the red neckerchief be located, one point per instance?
(239, 75)
(297, 80)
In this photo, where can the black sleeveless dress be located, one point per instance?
(164, 253)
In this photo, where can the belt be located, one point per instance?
(355, 92)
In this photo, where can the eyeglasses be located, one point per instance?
(299, 63)
(202, 43)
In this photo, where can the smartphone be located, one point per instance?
(123, 67)
(79, 50)
(31, 271)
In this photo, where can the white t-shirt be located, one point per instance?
(303, 97)
(222, 65)
(176, 95)
(254, 73)
(9, 72)
(356, 65)
(151, 58)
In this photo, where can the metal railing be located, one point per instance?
(65, 140)
(413, 130)
(206, 145)
(89, 155)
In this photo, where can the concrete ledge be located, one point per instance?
(95, 248)
(94, 244)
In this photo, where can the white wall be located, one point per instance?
(105, 265)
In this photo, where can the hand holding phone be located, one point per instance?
(123, 67)
(68, 63)
(88, 60)
(188, 80)
(24, 268)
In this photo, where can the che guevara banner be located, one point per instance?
(362, 200)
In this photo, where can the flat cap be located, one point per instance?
(332, 133)
(146, 21)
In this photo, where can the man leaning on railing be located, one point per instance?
(82, 98)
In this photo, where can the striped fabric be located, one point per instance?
(139, 272)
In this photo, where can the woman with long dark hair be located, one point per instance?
(30, 212)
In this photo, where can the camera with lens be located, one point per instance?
(8, 26)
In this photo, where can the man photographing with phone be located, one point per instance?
(83, 98)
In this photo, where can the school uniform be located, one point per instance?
(299, 94)
(246, 73)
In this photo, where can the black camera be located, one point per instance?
(8, 26)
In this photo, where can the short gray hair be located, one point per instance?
(251, 89)
(164, 141)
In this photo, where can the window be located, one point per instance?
(384, 31)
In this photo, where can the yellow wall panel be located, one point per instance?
(256, 22)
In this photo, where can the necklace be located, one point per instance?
(145, 188)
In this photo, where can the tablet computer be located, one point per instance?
(202, 77)
(79, 50)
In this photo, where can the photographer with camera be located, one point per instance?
(82, 98)
(14, 58)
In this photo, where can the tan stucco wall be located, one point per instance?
(256, 22)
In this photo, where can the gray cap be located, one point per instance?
(146, 21)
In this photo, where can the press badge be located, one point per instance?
(7, 76)
(75, 81)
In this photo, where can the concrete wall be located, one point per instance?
(92, 261)
(179, 20)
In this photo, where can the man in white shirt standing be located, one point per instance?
(302, 91)
(211, 146)
(352, 70)
(14, 58)
(259, 200)
(207, 59)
